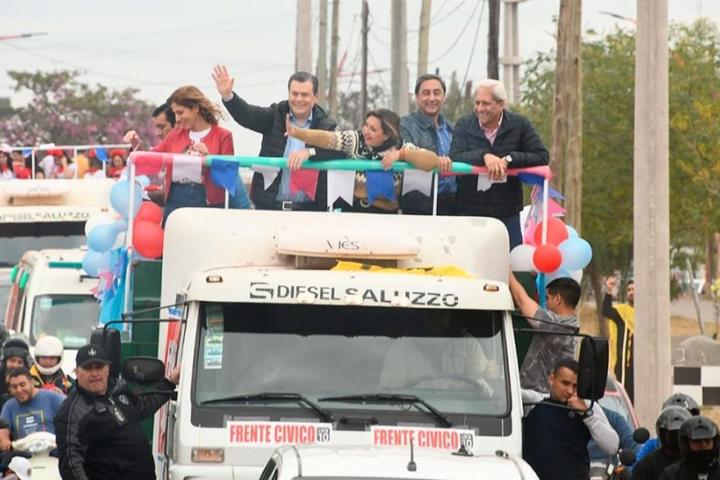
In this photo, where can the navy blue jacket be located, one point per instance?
(516, 137)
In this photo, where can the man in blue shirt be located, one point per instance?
(427, 128)
(29, 411)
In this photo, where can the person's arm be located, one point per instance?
(70, 439)
(314, 137)
(226, 144)
(606, 438)
(531, 151)
(149, 403)
(623, 429)
(527, 306)
(460, 150)
(255, 118)
(5, 442)
(420, 158)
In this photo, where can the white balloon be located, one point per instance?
(99, 219)
(521, 258)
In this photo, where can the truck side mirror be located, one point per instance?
(108, 340)
(593, 368)
(143, 370)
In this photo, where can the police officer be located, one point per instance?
(98, 429)
(667, 427)
(698, 439)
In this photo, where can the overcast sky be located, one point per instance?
(159, 45)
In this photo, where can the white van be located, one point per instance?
(50, 294)
(411, 345)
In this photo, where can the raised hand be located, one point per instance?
(290, 129)
(223, 81)
(132, 138)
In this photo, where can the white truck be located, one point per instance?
(411, 347)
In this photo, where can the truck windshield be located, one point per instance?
(452, 359)
(71, 318)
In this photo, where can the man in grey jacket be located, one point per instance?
(427, 128)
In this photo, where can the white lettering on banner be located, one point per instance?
(266, 291)
(278, 433)
(434, 438)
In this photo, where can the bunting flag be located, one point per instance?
(484, 183)
(531, 179)
(340, 186)
(147, 164)
(380, 184)
(269, 175)
(417, 180)
(101, 154)
(224, 173)
(554, 209)
(304, 181)
(186, 167)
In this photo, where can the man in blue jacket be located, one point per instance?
(428, 128)
(498, 139)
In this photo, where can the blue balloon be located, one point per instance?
(93, 262)
(572, 233)
(120, 198)
(102, 238)
(143, 180)
(576, 254)
(120, 225)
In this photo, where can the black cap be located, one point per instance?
(90, 354)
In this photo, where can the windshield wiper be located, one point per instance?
(392, 399)
(323, 414)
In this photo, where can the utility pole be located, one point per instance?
(566, 150)
(321, 71)
(363, 75)
(511, 59)
(334, 42)
(424, 37)
(398, 56)
(303, 36)
(493, 68)
(651, 236)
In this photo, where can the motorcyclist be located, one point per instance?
(667, 427)
(47, 372)
(699, 444)
(15, 353)
(679, 400)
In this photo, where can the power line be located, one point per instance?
(457, 39)
(472, 50)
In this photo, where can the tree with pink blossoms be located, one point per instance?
(65, 111)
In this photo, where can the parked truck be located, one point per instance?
(338, 330)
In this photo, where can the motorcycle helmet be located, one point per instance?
(16, 346)
(699, 428)
(49, 346)
(667, 426)
(683, 400)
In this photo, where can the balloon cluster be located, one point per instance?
(564, 253)
(106, 232)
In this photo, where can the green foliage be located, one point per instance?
(63, 110)
(608, 121)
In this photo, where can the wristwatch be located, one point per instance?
(311, 151)
(586, 414)
(507, 158)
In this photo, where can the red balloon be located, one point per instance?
(150, 212)
(547, 258)
(148, 238)
(556, 232)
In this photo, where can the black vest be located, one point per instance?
(555, 443)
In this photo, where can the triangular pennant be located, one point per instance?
(417, 180)
(269, 175)
(224, 174)
(380, 184)
(340, 185)
(304, 180)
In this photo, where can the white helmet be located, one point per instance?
(48, 346)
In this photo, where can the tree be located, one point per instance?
(607, 95)
(349, 115)
(65, 111)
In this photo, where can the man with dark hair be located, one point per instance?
(163, 120)
(428, 128)
(493, 137)
(621, 332)
(557, 429)
(562, 296)
(270, 190)
(29, 411)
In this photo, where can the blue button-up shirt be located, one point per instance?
(444, 133)
(293, 145)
